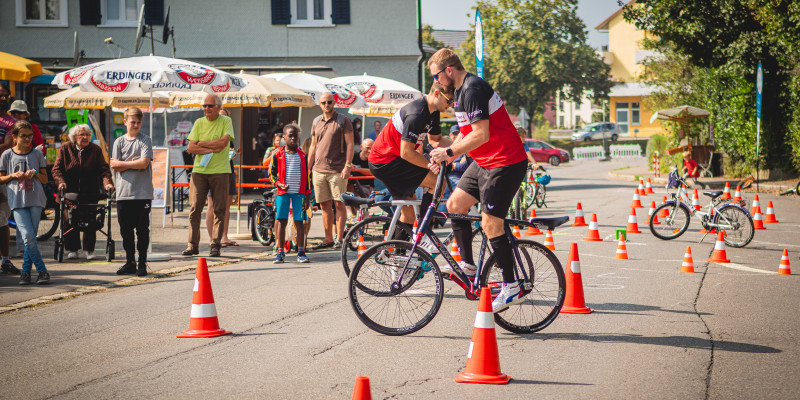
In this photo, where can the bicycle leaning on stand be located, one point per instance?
(261, 218)
(397, 287)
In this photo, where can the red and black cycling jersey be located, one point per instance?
(475, 101)
(407, 125)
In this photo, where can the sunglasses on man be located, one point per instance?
(326, 102)
(436, 75)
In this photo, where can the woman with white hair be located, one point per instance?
(81, 168)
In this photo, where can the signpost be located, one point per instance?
(479, 43)
(759, 84)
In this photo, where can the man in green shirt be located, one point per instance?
(209, 141)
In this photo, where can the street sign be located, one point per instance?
(479, 43)
(759, 85)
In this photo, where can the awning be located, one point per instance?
(16, 68)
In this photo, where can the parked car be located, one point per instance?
(545, 152)
(597, 131)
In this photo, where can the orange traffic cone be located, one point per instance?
(640, 188)
(688, 262)
(756, 204)
(648, 189)
(579, 221)
(637, 202)
(203, 322)
(737, 195)
(784, 268)
(758, 220)
(633, 226)
(726, 193)
(593, 235)
(770, 219)
(696, 201)
(515, 232)
(719, 255)
(573, 299)
(651, 211)
(362, 247)
(483, 358)
(622, 250)
(361, 390)
(532, 230)
(548, 240)
(454, 251)
(664, 212)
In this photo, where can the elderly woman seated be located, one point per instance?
(81, 168)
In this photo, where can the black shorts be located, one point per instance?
(401, 177)
(494, 188)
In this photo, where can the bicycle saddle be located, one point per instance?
(549, 223)
(713, 193)
(353, 201)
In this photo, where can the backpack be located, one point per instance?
(339, 120)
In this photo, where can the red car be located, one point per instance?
(545, 152)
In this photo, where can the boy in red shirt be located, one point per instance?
(690, 166)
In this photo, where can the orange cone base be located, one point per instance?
(689, 270)
(582, 222)
(784, 271)
(575, 310)
(633, 229)
(202, 333)
(718, 259)
(471, 377)
(589, 239)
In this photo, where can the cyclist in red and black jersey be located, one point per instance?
(395, 157)
(490, 138)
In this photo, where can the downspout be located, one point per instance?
(420, 67)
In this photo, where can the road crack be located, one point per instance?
(710, 367)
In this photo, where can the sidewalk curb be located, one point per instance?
(134, 280)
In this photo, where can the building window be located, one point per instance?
(120, 12)
(311, 12)
(561, 121)
(41, 12)
(635, 114)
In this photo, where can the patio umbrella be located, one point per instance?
(16, 68)
(316, 85)
(376, 89)
(679, 113)
(75, 98)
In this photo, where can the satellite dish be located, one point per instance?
(77, 53)
(165, 34)
(140, 31)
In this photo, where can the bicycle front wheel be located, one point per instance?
(541, 192)
(737, 224)
(544, 290)
(263, 225)
(48, 223)
(373, 230)
(673, 224)
(390, 298)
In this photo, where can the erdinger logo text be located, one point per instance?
(117, 88)
(193, 74)
(401, 96)
(72, 77)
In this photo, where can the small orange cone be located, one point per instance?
(637, 202)
(770, 219)
(688, 262)
(664, 212)
(756, 204)
(726, 193)
(622, 250)
(696, 201)
(203, 322)
(719, 255)
(737, 195)
(648, 189)
(640, 189)
(593, 234)
(651, 211)
(573, 299)
(454, 251)
(784, 268)
(483, 357)
(515, 232)
(532, 230)
(361, 390)
(579, 221)
(362, 247)
(633, 225)
(758, 220)
(548, 241)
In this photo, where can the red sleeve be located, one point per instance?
(37, 136)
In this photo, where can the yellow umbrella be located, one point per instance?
(16, 68)
(259, 92)
(74, 98)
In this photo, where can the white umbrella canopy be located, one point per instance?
(316, 85)
(75, 98)
(680, 113)
(376, 89)
(150, 73)
(259, 92)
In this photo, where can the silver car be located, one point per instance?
(597, 131)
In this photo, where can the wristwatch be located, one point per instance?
(348, 165)
(449, 152)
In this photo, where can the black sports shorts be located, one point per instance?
(401, 177)
(494, 188)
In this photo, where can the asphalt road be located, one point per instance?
(727, 331)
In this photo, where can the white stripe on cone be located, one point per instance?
(196, 285)
(484, 320)
(632, 219)
(203, 310)
(578, 212)
(719, 245)
(592, 226)
(575, 267)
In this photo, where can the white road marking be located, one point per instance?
(745, 268)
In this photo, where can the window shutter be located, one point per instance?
(281, 12)
(340, 14)
(90, 12)
(154, 12)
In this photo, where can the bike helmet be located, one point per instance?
(544, 179)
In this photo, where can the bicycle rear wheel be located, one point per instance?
(399, 309)
(545, 290)
(373, 230)
(48, 223)
(673, 225)
(263, 225)
(737, 224)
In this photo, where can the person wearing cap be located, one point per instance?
(19, 111)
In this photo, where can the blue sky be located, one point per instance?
(452, 14)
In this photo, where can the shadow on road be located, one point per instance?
(674, 341)
(637, 307)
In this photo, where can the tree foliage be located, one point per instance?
(535, 48)
(429, 39)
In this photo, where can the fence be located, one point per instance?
(625, 150)
(588, 153)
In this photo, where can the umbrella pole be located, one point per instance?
(151, 115)
(168, 192)
(239, 178)
(364, 125)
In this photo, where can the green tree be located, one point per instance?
(535, 48)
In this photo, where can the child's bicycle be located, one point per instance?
(729, 216)
(261, 218)
(396, 287)
(794, 190)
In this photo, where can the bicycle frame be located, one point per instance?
(682, 198)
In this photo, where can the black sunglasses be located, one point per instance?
(209, 105)
(449, 100)
(436, 75)
(326, 102)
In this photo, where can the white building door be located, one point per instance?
(622, 118)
